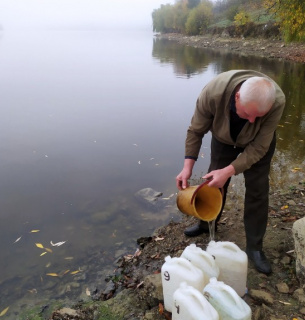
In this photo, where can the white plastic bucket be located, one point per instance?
(232, 263)
(203, 260)
(177, 270)
(190, 304)
(225, 300)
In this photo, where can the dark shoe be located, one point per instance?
(197, 229)
(260, 261)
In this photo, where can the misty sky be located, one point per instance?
(57, 13)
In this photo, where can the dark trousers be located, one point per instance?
(257, 189)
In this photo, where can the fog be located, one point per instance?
(22, 14)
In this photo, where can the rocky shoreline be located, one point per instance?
(261, 47)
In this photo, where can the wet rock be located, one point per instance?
(282, 287)
(126, 303)
(298, 232)
(110, 288)
(153, 285)
(261, 296)
(148, 196)
(143, 241)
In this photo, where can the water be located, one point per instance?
(87, 119)
(212, 229)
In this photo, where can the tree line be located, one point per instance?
(198, 17)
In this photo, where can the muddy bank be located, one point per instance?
(262, 47)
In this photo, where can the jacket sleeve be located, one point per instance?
(200, 124)
(259, 146)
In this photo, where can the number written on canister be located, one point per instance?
(167, 277)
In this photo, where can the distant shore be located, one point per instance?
(269, 48)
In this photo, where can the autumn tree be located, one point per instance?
(199, 18)
(290, 15)
(192, 3)
(163, 18)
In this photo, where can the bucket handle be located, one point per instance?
(200, 186)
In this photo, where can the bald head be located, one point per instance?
(260, 91)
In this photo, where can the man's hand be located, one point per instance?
(219, 177)
(185, 174)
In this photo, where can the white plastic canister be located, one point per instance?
(225, 300)
(203, 260)
(177, 270)
(190, 304)
(232, 263)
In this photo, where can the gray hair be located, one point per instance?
(259, 90)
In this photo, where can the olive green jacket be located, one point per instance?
(212, 113)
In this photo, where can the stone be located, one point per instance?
(282, 287)
(285, 260)
(148, 196)
(68, 311)
(109, 288)
(291, 203)
(261, 296)
(298, 232)
(300, 296)
(154, 281)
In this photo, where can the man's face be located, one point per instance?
(249, 111)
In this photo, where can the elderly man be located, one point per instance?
(242, 109)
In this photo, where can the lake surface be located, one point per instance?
(87, 119)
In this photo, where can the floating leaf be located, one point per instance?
(43, 253)
(75, 272)
(57, 244)
(3, 312)
(284, 207)
(39, 245)
(34, 231)
(49, 250)
(18, 239)
(65, 272)
(52, 274)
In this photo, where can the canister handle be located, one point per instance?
(231, 292)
